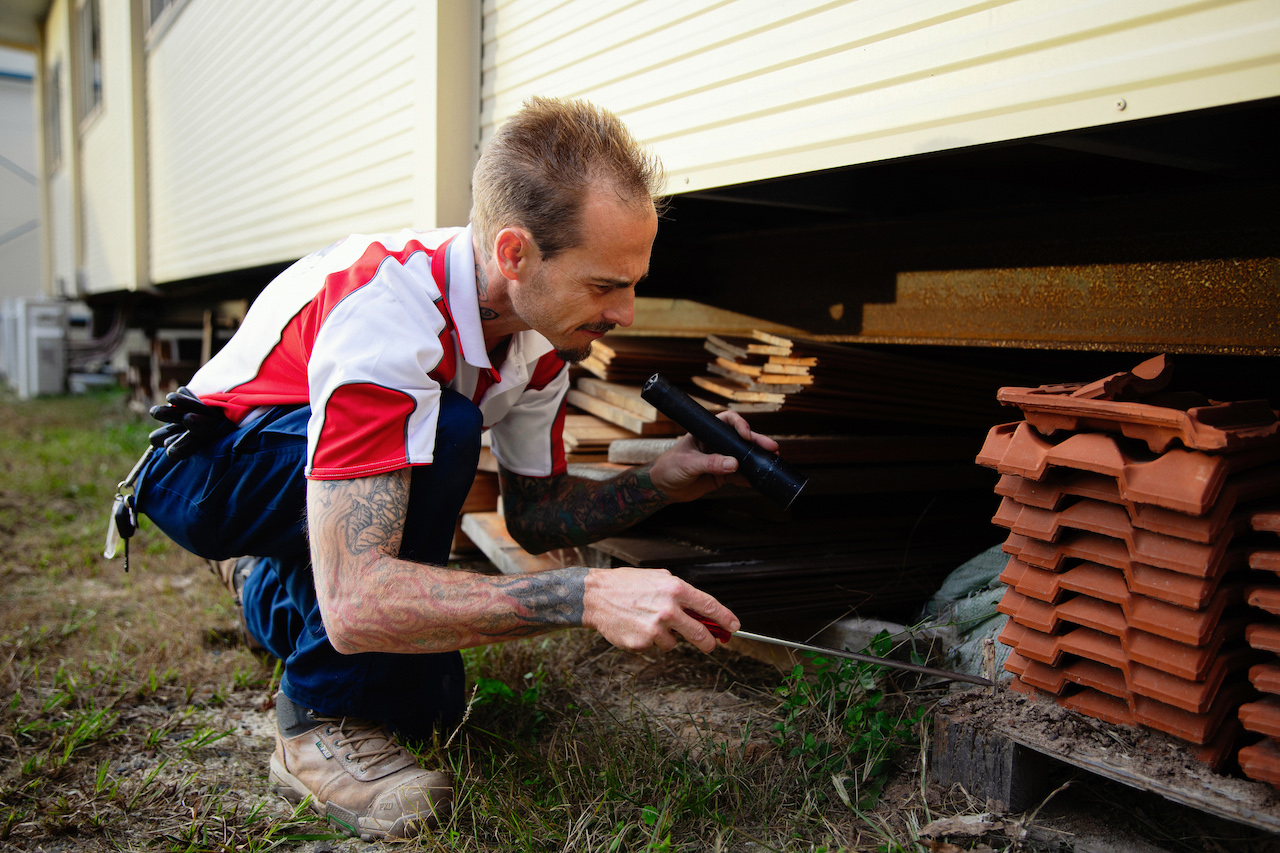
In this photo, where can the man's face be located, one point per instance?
(583, 292)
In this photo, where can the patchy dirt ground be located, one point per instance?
(132, 718)
(721, 706)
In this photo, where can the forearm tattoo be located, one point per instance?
(557, 512)
(374, 601)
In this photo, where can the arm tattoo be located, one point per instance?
(545, 600)
(376, 519)
(556, 512)
(374, 601)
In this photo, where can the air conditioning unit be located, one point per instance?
(34, 333)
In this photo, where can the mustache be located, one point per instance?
(599, 328)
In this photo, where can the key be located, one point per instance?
(126, 519)
(122, 525)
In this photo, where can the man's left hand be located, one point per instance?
(687, 471)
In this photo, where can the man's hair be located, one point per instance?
(537, 169)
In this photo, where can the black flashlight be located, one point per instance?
(766, 471)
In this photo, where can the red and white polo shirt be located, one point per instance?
(368, 331)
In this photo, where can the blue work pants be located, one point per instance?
(245, 495)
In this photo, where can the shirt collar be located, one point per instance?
(460, 290)
(461, 293)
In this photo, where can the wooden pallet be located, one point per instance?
(998, 745)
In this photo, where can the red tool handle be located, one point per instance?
(717, 630)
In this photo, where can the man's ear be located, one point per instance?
(513, 248)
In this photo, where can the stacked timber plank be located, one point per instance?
(764, 372)
(1261, 760)
(587, 438)
(481, 498)
(756, 373)
(633, 359)
(622, 406)
(770, 372)
(1129, 516)
(607, 391)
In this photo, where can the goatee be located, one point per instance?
(573, 356)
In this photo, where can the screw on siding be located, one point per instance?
(1121, 103)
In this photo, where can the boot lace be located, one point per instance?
(369, 742)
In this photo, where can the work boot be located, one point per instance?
(233, 573)
(355, 773)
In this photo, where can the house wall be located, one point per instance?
(276, 128)
(112, 215)
(60, 201)
(20, 273)
(730, 92)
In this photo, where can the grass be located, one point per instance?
(132, 719)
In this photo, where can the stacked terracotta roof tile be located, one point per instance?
(1129, 510)
(1261, 760)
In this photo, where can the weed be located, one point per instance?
(521, 702)
(103, 787)
(203, 737)
(837, 723)
(83, 729)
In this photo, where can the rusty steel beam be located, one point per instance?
(1216, 306)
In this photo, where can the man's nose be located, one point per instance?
(622, 310)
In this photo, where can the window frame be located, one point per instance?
(53, 117)
(88, 46)
(160, 16)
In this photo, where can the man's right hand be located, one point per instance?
(637, 609)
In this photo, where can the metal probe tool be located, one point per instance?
(723, 636)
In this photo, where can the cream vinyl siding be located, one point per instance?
(60, 251)
(277, 127)
(744, 90)
(108, 169)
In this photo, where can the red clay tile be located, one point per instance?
(1265, 561)
(1191, 420)
(1193, 697)
(1262, 716)
(1265, 598)
(1147, 378)
(1261, 761)
(1182, 480)
(1096, 548)
(1263, 636)
(1267, 519)
(1137, 650)
(1198, 728)
(1153, 549)
(1062, 485)
(1159, 584)
(1055, 650)
(1265, 677)
(1145, 613)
